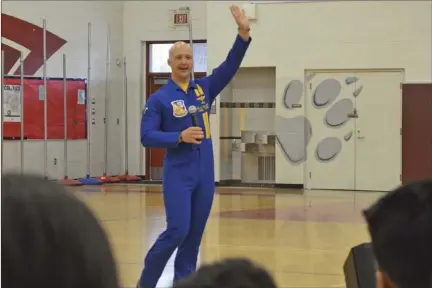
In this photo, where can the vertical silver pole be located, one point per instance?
(45, 90)
(142, 162)
(355, 145)
(2, 103)
(65, 138)
(22, 112)
(89, 120)
(191, 41)
(126, 161)
(107, 78)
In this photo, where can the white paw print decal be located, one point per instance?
(294, 134)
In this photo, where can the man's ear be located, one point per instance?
(383, 281)
(169, 62)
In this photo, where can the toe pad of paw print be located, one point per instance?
(294, 133)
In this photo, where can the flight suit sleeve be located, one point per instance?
(223, 74)
(151, 134)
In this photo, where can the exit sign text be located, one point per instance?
(180, 18)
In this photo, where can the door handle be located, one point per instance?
(360, 137)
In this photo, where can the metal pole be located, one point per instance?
(89, 120)
(2, 102)
(108, 57)
(45, 99)
(142, 162)
(65, 119)
(22, 112)
(126, 162)
(191, 41)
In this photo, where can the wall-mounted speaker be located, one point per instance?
(360, 267)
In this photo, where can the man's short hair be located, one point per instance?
(231, 273)
(400, 225)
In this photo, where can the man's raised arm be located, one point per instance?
(223, 74)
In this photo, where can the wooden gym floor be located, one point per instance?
(302, 238)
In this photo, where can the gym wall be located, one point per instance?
(68, 20)
(150, 21)
(366, 47)
(132, 23)
(374, 35)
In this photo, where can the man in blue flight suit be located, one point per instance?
(188, 171)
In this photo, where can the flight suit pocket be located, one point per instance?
(183, 164)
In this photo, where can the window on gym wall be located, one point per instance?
(159, 56)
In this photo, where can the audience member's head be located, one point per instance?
(231, 273)
(51, 239)
(400, 225)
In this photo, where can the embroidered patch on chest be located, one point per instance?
(179, 108)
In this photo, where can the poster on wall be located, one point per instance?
(12, 103)
(33, 112)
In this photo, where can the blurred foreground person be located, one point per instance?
(231, 273)
(400, 225)
(51, 239)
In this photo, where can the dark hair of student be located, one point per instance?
(231, 273)
(51, 239)
(400, 225)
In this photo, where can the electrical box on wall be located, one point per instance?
(250, 10)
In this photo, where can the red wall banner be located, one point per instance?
(34, 108)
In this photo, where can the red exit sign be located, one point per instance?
(180, 18)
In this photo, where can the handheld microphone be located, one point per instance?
(192, 110)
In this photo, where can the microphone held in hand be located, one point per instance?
(193, 134)
(192, 110)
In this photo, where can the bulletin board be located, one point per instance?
(34, 108)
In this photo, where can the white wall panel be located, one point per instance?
(331, 35)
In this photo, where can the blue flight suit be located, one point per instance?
(188, 169)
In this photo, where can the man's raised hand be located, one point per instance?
(240, 18)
